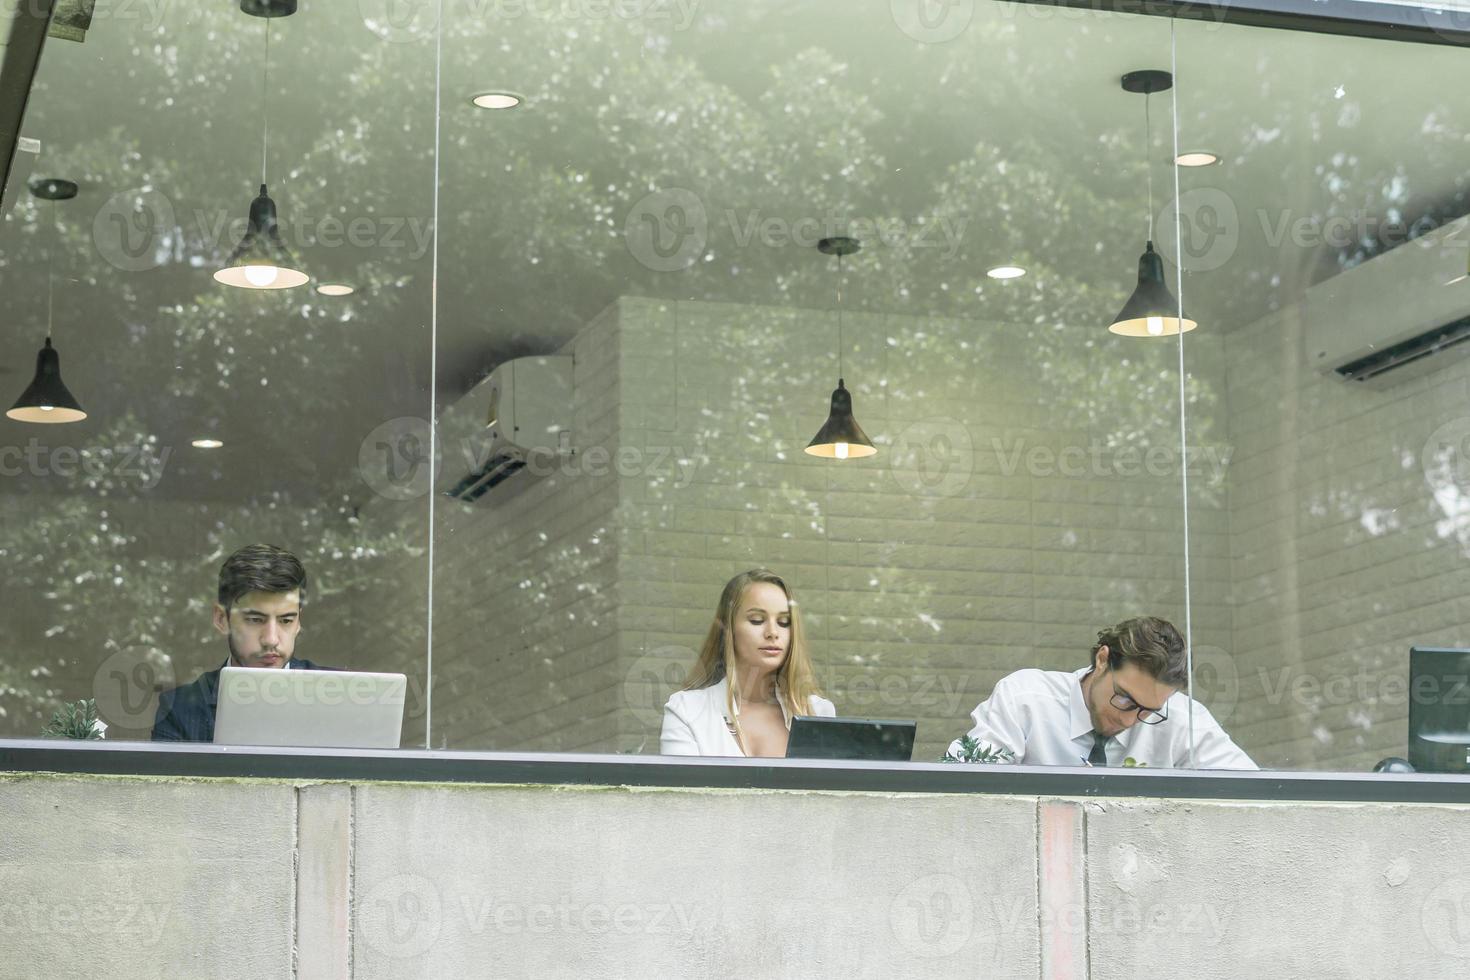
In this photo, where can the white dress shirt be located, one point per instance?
(697, 722)
(1041, 717)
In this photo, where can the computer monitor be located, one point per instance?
(874, 739)
(1439, 709)
(309, 708)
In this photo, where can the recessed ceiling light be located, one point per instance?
(497, 100)
(206, 444)
(1197, 158)
(334, 289)
(1006, 272)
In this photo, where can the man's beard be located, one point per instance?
(237, 661)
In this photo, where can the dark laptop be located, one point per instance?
(873, 739)
(1439, 709)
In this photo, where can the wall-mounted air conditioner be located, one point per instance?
(520, 414)
(1396, 316)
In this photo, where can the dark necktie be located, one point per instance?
(1099, 755)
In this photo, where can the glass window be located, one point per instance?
(1327, 250)
(983, 329)
(216, 415)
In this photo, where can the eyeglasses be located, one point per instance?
(1149, 716)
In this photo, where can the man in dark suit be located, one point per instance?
(258, 611)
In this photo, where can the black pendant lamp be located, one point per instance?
(261, 260)
(1152, 310)
(47, 399)
(840, 437)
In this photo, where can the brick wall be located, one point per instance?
(1012, 510)
(1007, 517)
(526, 587)
(1342, 557)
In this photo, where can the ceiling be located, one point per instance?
(997, 135)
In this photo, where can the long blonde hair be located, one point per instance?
(796, 683)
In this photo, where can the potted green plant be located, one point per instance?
(76, 719)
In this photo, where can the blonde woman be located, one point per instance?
(752, 676)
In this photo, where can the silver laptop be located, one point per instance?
(309, 708)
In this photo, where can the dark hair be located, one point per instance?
(1151, 643)
(260, 568)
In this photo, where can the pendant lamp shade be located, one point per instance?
(261, 260)
(1152, 310)
(268, 8)
(47, 400)
(840, 437)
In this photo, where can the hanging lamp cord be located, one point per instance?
(1148, 142)
(840, 374)
(265, 116)
(50, 264)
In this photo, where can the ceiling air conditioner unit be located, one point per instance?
(520, 414)
(1396, 316)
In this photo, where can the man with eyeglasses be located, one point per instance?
(1124, 708)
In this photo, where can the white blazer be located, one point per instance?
(696, 722)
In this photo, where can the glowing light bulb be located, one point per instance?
(841, 450)
(1155, 326)
(48, 408)
(261, 275)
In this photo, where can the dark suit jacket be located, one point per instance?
(186, 713)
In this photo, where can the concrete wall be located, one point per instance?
(1348, 546)
(163, 878)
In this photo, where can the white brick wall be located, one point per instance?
(917, 597)
(567, 607)
(526, 590)
(1338, 563)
